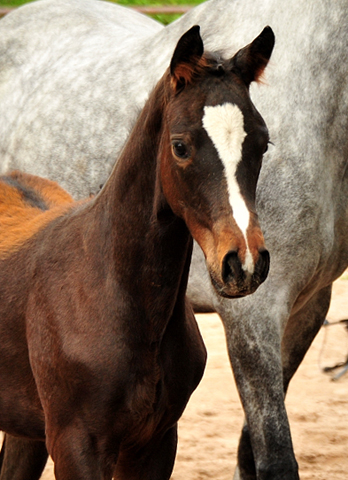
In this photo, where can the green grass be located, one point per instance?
(11, 3)
(161, 18)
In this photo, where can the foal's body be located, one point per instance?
(99, 349)
(108, 339)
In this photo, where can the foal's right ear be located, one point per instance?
(186, 58)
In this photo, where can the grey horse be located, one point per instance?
(73, 75)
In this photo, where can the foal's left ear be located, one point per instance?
(186, 58)
(251, 61)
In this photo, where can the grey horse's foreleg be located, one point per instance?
(265, 450)
(22, 459)
(301, 330)
(299, 333)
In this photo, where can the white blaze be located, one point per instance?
(225, 126)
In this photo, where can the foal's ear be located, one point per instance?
(250, 61)
(186, 58)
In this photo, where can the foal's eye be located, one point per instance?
(180, 149)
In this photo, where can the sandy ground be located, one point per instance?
(317, 407)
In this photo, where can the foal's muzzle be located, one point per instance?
(237, 281)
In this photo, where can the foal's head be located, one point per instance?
(211, 156)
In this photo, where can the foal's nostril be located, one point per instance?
(232, 270)
(231, 267)
(262, 265)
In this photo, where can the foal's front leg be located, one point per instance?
(75, 458)
(80, 455)
(154, 461)
(22, 459)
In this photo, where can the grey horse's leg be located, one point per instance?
(301, 330)
(299, 333)
(254, 347)
(22, 459)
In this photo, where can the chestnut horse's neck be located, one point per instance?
(149, 244)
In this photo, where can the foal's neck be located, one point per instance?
(151, 247)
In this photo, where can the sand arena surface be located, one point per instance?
(318, 408)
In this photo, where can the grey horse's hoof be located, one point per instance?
(236, 475)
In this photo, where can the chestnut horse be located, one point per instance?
(100, 350)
